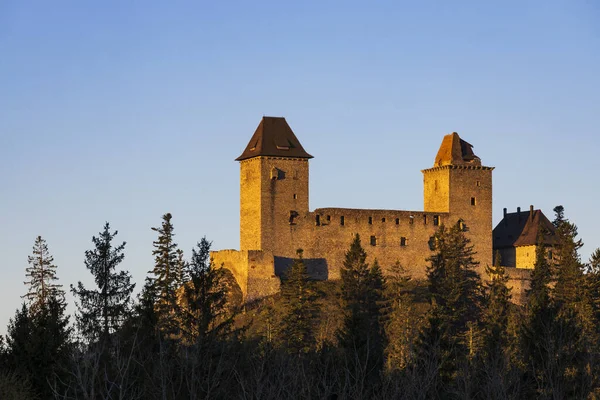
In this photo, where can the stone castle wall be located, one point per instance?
(388, 235)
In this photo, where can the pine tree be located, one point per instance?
(165, 274)
(204, 311)
(42, 275)
(300, 308)
(362, 334)
(103, 310)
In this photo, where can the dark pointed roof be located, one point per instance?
(274, 137)
(455, 151)
(521, 229)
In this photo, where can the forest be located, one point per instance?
(189, 335)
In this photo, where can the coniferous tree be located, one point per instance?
(362, 335)
(554, 335)
(165, 275)
(204, 311)
(38, 346)
(103, 310)
(593, 285)
(456, 298)
(300, 308)
(496, 312)
(401, 319)
(454, 284)
(42, 277)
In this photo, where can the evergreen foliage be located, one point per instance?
(204, 312)
(42, 277)
(165, 277)
(362, 335)
(402, 322)
(103, 310)
(301, 309)
(455, 286)
(39, 346)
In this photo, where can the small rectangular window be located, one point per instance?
(370, 220)
(382, 219)
(411, 219)
(436, 220)
(295, 196)
(329, 218)
(425, 219)
(373, 241)
(478, 183)
(473, 201)
(318, 220)
(342, 220)
(397, 221)
(403, 241)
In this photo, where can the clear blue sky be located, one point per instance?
(121, 111)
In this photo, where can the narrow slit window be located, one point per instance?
(397, 221)
(373, 241)
(318, 220)
(425, 219)
(411, 219)
(370, 220)
(295, 196)
(403, 241)
(342, 222)
(436, 220)
(478, 183)
(473, 201)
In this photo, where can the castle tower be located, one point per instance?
(273, 184)
(459, 185)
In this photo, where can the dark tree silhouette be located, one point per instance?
(103, 310)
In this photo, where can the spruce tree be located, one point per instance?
(456, 299)
(496, 311)
(593, 284)
(165, 274)
(300, 309)
(454, 284)
(557, 333)
(401, 318)
(204, 312)
(362, 335)
(102, 310)
(42, 277)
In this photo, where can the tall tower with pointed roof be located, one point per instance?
(273, 185)
(460, 185)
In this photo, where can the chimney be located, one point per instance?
(504, 212)
(519, 213)
(505, 219)
(531, 212)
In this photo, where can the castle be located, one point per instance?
(275, 219)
